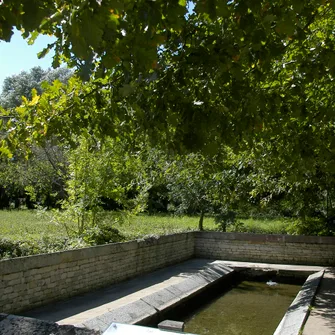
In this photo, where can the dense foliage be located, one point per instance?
(190, 74)
(212, 106)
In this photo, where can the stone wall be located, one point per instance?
(285, 249)
(28, 282)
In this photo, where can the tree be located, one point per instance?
(190, 185)
(43, 175)
(17, 86)
(39, 180)
(99, 172)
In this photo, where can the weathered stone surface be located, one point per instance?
(176, 326)
(321, 318)
(19, 325)
(30, 282)
(132, 313)
(162, 299)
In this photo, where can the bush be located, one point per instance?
(224, 219)
(311, 226)
(102, 234)
(12, 249)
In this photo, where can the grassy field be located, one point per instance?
(24, 233)
(29, 225)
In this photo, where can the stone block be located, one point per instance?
(176, 326)
(12, 276)
(8, 290)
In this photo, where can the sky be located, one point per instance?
(17, 55)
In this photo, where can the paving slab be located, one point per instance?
(162, 299)
(321, 320)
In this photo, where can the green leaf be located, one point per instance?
(285, 27)
(222, 9)
(33, 37)
(44, 52)
(126, 90)
(4, 151)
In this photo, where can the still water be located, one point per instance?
(251, 308)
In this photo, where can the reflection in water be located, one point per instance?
(251, 308)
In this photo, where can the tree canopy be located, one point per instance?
(191, 74)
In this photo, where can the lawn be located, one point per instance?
(29, 225)
(24, 232)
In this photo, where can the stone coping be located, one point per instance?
(276, 238)
(296, 315)
(303, 270)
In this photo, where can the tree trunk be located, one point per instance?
(201, 221)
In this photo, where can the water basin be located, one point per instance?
(249, 308)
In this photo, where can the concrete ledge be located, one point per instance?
(297, 313)
(149, 308)
(282, 269)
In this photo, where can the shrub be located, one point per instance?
(102, 234)
(311, 226)
(9, 249)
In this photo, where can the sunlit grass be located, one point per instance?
(142, 225)
(29, 225)
(266, 226)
